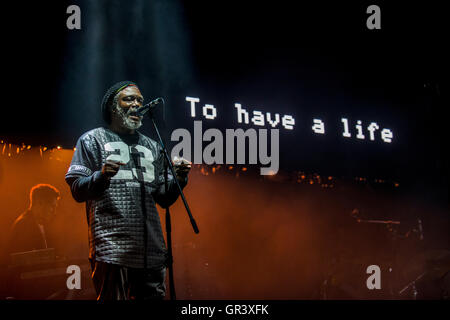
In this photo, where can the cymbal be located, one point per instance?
(436, 255)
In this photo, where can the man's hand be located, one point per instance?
(110, 168)
(181, 167)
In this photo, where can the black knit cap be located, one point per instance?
(109, 97)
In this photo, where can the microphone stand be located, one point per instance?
(173, 295)
(168, 165)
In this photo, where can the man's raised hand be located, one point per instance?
(110, 168)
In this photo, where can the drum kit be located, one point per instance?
(419, 274)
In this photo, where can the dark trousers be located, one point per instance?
(114, 282)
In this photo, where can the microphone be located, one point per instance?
(420, 229)
(152, 104)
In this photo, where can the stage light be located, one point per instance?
(58, 147)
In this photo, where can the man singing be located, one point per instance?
(119, 173)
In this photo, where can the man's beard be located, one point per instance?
(124, 117)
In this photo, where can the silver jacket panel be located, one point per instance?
(115, 209)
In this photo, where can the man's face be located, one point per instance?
(46, 210)
(124, 112)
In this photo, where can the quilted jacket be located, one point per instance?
(121, 212)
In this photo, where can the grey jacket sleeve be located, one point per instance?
(166, 199)
(84, 178)
(87, 188)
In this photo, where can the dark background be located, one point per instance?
(309, 61)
